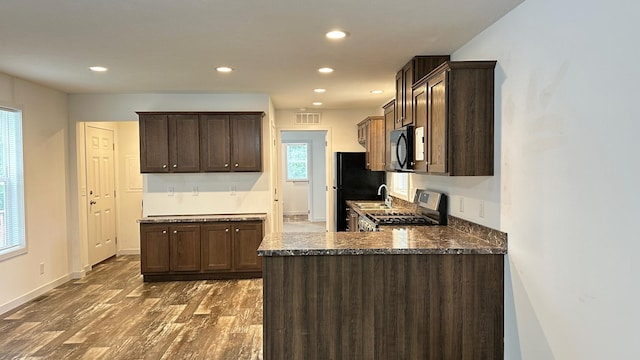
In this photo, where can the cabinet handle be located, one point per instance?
(164, 166)
(237, 165)
(237, 230)
(226, 165)
(175, 231)
(175, 166)
(164, 231)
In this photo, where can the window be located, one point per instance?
(297, 162)
(12, 239)
(400, 183)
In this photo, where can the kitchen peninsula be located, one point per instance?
(417, 292)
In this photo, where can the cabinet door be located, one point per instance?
(184, 143)
(154, 144)
(375, 144)
(407, 73)
(362, 133)
(437, 123)
(399, 111)
(154, 248)
(246, 239)
(215, 144)
(420, 120)
(185, 248)
(246, 142)
(216, 247)
(389, 124)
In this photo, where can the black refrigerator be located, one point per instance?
(352, 181)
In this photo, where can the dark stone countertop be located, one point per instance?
(200, 218)
(459, 237)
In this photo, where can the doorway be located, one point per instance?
(101, 222)
(303, 178)
(110, 189)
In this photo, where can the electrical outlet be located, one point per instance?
(41, 268)
(170, 191)
(481, 212)
(461, 204)
(232, 190)
(195, 190)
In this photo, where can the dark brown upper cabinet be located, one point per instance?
(406, 77)
(389, 124)
(200, 142)
(231, 142)
(371, 136)
(454, 105)
(154, 143)
(167, 143)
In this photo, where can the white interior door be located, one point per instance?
(101, 194)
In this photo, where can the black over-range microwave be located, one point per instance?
(402, 148)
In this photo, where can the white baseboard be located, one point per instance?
(129, 252)
(33, 294)
(78, 274)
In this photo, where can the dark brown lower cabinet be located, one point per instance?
(184, 254)
(200, 250)
(384, 307)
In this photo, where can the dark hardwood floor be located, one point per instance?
(112, 314)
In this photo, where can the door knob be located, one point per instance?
(237, 165)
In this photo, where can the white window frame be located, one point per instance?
(400, 184)
(13, 217)
(286, 162)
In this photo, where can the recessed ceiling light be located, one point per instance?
(319, 90)
(376, 91)
(317, 103)
(326, 70)
(98, 68)
(336, 34)
(224, 69)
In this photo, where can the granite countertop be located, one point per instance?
(460, 237)
(200, 218)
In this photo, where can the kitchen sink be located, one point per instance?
(372, 206)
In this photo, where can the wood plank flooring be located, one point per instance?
(112, 314)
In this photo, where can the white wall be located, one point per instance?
(567, 176)
(252, 192)
(295, 197)
(129, 185)
(45, 134)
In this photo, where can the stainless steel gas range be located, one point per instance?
(431, 210)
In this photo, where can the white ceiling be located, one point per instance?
(275, 46)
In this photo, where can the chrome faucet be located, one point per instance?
(387, 198)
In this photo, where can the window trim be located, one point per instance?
(17, 195)
(286, 161)
(399, 186)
